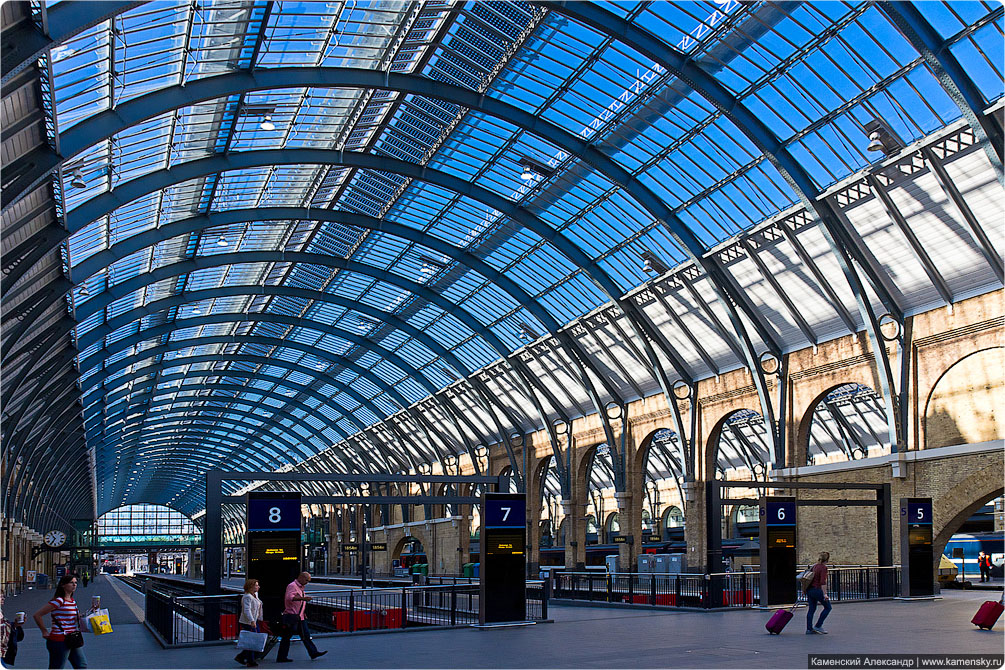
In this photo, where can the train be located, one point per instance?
(744, 550)
(991, 543)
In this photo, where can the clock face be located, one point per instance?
(55, 538)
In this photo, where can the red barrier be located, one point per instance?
(368, 619)
(659, 599)
(228, 626)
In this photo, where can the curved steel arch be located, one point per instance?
(62, 22)
(247, 358)
(193, 438)
(149, 397)
(417, 289)
(953, 78)
(333, 359)
(167, 435)
(170, 420)
(152, 182)
(93, 336)
(285, 432)
(105, 125)
(734, 109)
(266, 454)
(128, 395)
(107, 439)
(107, 202)
(230, 317)
(161, 101)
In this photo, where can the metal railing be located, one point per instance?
(180, 620)
(715, 590)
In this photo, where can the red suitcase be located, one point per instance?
(778, 620)
(988, 614)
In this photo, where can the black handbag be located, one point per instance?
(74, 640)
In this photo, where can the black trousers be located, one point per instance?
(305, 637)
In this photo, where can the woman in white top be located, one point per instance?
(251, 616)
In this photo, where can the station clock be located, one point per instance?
(54, 538)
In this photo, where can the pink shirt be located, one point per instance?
(294, 590)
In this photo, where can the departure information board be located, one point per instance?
(503, 576)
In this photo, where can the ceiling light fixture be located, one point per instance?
(882, 138)
(652, 264)
(77, 179)
(267, 123)
(526, 333)
(534, 170)
(222, 242)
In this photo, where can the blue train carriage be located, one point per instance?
(991, 543)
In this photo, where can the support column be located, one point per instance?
(533, 488)
(631, 525)
(694, 525)
(575, 534)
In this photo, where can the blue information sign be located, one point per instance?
(919, 513)
(780, 513)
(273, 514)
(503, 513)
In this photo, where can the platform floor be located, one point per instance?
(581, 637)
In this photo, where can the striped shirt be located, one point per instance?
(64, 617)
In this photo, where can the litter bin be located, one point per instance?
(424, 568)
(468, 570)
(477, 570)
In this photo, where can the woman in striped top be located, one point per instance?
(65, 619)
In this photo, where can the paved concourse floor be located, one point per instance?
(580, 637)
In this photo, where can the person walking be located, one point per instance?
(251, 618)
(817, 593)
(83, 578)
(293, 620)
(63, 640)
(11, 632)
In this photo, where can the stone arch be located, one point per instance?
(961, 397)
(671, 520)
(712, 444)
(805, 426)
(643, 461)
(554, 510)
(612, 526)
(960, 502)
(734, 518)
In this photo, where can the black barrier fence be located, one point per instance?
(718, 590)
(180, 620)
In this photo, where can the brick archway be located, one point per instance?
(960, 502)
(801, 454)
(942, 428)
(714, 436)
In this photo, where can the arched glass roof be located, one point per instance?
(369, 235)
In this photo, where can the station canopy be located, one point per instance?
(373, 236)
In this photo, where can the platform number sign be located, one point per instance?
(919, 513)
(502, 513)
(273, 514)
(780, 513)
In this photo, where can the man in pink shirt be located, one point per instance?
(295, 604)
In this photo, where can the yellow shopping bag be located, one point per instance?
(100, 624)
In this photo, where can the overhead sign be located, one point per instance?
(779, 512)
(274, 513)
(505, 512)
(620, 539)
(378, 546)
(350, 546)
(917, 513)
